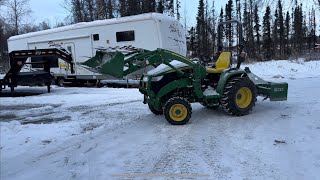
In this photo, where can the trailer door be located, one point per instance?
(65, 69)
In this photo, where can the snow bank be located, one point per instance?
(285, 69)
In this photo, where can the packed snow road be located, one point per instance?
(81, 133)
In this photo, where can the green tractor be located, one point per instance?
(177, 81)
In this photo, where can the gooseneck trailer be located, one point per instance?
(18, 59)
(149, 31)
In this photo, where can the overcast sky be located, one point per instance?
(53, 11)
(49, 10)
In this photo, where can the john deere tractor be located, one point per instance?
(177, 81)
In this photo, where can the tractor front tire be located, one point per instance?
(177, 111)
(154, 111)
(239, 96)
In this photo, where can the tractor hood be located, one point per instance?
(163, 68)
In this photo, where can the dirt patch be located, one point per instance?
(20, 94)
(86, 107)
(46, 120)
(7, 117)
(90, 127)
(20, 107)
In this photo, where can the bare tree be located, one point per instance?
(101, 9)
(2, 2)
(17, 10)
(44, 25)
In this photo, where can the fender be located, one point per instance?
(226, 75)
(170, 87)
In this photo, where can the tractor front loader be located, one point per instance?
(177, 81)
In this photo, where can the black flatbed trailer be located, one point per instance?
(18, 59)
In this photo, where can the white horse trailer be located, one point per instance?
(148, 31)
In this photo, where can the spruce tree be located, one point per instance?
(221, 19)
(170, 7)
(213, 26)
(298, 28)
(192, 41)
(257, 28)
(275, 35)
(110, 9)
(178, 6)
(160, 7)
(314, 26)
(238, 9)
(267, 41)
(281, 28)
(148, 6)
(200, 29)
(123, 7)
(229, 27)
(287, 34)
(101, 9)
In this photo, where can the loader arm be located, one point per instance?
(120, 65)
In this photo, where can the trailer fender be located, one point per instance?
(226, 75)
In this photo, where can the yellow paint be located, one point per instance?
(178, 112)
(63, 66)
(243, 97)
(222, 63)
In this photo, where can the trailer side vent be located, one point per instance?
(125, 36)
(96, 37)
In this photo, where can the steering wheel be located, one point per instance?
(205, 59)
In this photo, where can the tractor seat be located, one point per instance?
(222, 63)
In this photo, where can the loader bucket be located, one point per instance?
(107, 63)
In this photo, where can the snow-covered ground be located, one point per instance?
(89, 133)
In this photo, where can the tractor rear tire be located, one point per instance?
(177, 111)
(154, 111)
(239, 96)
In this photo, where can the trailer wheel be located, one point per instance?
(239, 96)
(53, 81)
(154, 111)
(177, 111)
(60, 81)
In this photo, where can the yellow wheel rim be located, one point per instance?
(243, 97)
(178, 112)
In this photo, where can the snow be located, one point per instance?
(210, 92)
(284, 69)
(91, 133)
(163, 68)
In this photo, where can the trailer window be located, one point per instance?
(53, 61)
(125, 36)
(69, 49)
(96, 37)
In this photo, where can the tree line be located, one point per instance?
(90, 10)
(272, 34)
